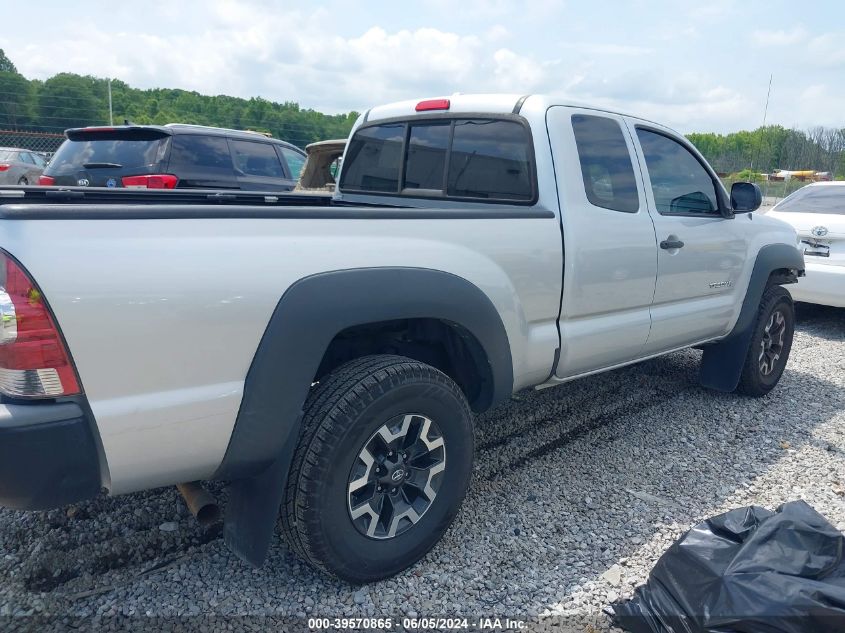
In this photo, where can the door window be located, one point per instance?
(24, 157)
(295, 161)
(256, 159)
(680, 183)
(606, 166)
(193, 152)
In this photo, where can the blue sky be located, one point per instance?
(698, 66)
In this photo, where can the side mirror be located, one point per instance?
(746, 196)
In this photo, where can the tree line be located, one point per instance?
(68, 100)
(774, 147)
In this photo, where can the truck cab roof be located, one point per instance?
(494, 103)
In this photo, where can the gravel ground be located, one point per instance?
(577, 492)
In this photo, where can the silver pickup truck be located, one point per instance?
(325, 355)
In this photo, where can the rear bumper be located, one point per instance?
(823, 284)
(48, 456)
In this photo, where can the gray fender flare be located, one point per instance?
(308, 316)
(722, 363)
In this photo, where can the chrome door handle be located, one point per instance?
(670, 244)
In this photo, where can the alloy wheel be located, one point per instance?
(396, 476)
(771, 346)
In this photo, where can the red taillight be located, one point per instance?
(34, 361)
(46, 180)
(433, 104)
(154, 181)
(4, 166)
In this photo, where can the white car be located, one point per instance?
(817, 212)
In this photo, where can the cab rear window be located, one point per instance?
(467, 158)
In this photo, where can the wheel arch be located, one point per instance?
(311, 314)
(721, 365)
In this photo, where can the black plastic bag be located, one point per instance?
(748, 570)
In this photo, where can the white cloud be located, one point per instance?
(497, 33)
(779, 37)
(692, 65)
(826, 50)
(516, 73)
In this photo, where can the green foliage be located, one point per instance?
(68, 100)
(16, 100)
(746, 175)
(6, 65)
(774, 147)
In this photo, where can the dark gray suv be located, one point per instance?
(174, 155)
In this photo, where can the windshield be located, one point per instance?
(815, 199)
(75, 155)
(6, 154)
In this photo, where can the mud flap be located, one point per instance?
(252, 511)
(721, 366)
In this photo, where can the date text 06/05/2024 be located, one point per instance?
(423, 623)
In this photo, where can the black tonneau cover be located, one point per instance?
(123, 196)
(102, 203)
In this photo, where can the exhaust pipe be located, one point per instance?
(200, 502)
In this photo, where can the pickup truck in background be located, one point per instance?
(323, 355)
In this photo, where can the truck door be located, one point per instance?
(701, 253)
(610, 251)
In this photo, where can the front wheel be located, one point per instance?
(770, 343)
(383, 464)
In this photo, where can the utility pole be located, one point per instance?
(768, 94)
(111, 114)
(765, 114)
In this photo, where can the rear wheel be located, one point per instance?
(383, 464)
(770, 343)
(23, 181)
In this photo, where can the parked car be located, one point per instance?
(323, 355)
(817, 212)
(322, 165)
(20, 166)
(174, 156)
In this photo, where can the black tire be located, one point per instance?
(342, 416)
(764, 365)
(23, 181)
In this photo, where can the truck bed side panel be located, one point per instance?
(163, 316)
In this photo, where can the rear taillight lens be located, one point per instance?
(34, 361)
(4, 167)
(154, 181)
(46, 180)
